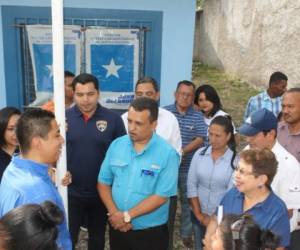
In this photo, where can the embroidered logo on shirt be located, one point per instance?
(147, 172)
(101, 125)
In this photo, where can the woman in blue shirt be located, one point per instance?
(253, 195)
(210, 174)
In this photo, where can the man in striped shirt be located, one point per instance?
(270, 98)
(193, 131)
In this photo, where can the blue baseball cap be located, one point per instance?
(258, 121)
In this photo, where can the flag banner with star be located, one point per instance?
(112, 55)
(40, 46)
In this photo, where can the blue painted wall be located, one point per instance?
(2, 78)
(177, 37)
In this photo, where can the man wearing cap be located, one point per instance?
(260, 130)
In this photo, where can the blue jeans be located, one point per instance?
(199, 232)
(186, 228)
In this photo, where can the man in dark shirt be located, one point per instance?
(91, 129)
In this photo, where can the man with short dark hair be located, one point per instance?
(69, 76)
(260, 130)
(270, 98)
(167, 124)
(167, 127)
(289, 128)
(91, 129)
(193, 131)
(289, 137)
(26, 178)
(136, 179)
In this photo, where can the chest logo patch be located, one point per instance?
(101, 125)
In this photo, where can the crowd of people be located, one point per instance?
(126, 171)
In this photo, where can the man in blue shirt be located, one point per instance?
(167, 127)
(26, 178)
(136, 179)
(193, 131)
(91, 129)
(270, 98)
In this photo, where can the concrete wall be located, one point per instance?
(252, 39)
(197, 36)
(177, 44)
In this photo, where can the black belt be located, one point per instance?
(151, 228)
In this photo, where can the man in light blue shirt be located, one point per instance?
(270, 98)
(137, 177)
(26, 178)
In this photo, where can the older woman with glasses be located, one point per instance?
(253, 195)
(210, 175)
(241, 232)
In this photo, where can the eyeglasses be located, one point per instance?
(183, 94)
(242, 172)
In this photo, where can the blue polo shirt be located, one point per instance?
(136, 176)
(270, 214)
(191, 125)
(27, 182)
(87, 143)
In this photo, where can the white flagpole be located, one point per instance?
(59, 89)
(220, 214)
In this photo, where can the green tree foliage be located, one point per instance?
(199, 4)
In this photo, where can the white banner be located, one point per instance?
(112, 55)
(40, 45)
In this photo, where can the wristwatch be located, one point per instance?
(127, 217)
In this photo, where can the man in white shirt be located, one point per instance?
(167, 124)
(167, 127)
(260, 130)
